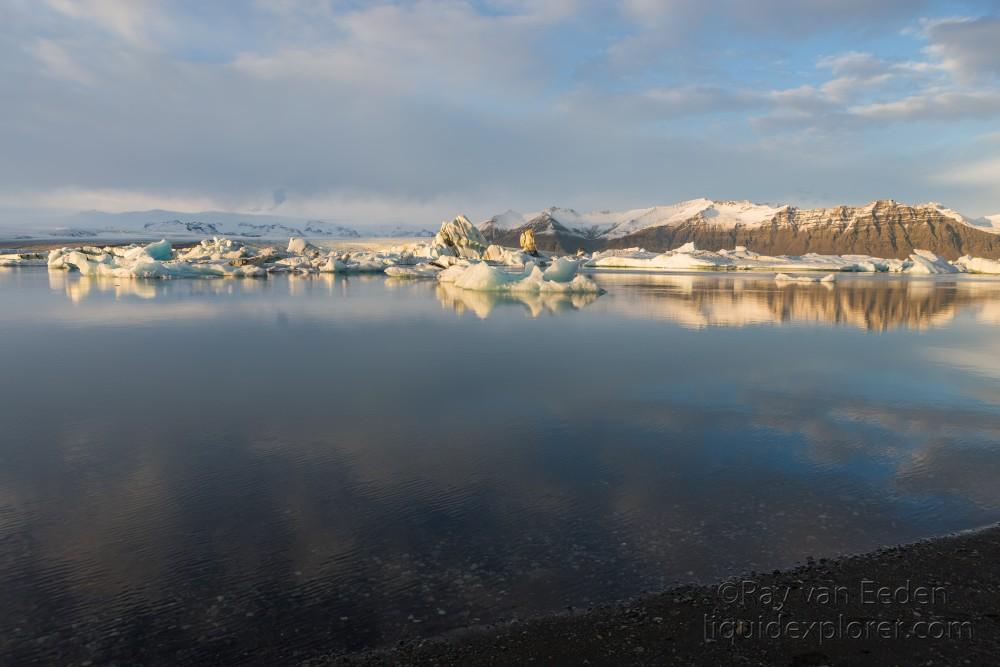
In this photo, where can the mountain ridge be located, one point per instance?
(174, 224)
(884, 228)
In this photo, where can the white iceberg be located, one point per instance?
(461, 238)
(927, 263)
(506, 256)
(688, 258)
(480, 276)
(23, 259)
(978, 265)
(425, 270)
(562, 270)
(458, 255)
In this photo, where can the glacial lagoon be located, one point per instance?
(299, 466)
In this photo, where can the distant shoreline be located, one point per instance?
(885, 607)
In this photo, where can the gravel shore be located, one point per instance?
(935, 602)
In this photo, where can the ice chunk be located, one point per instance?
(161, 250)
(978, 264)
(461, 237)
(23, 259)
(562, 270)
(927, 263)
(299, 246)
(481, 276)
(418, 271)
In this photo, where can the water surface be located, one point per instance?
(285, 468)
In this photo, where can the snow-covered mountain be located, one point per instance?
(988, 223)
(173, 224)
(884, 228)
(618, 224)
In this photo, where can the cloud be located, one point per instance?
(413, 111)
(59, 63)
(982, 173)
(969, 47)
(931, 105)
(771, 16)
(133, 20)
(110, 200)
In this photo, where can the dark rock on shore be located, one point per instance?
(931, 603)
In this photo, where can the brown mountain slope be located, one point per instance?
(881, 229)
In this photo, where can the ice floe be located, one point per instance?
(23, 259)
(688, 258)
(978, 265)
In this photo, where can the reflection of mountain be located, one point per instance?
(873, 304)
(483, 303)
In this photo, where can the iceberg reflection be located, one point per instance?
(483, 303)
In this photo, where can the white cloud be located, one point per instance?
(109, 200)
(936, 106)
(59, 63)
(978, 173)
(969, 47)
(132, 20)
(430, 107)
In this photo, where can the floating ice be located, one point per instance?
(480, 276)
(459, 255)
(419, 271)
(461, 237)
(688, 257)
(927, 263)
(23, 259)
(562, 270)
(506, 256)
(978, 265)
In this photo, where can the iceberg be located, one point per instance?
(461, 238)
(480, 276)
(978, 265)
(419, 271)
(562, 270)
(925, 262)
(458, 255)
(23, 259)
(506, 256)
(689, 258)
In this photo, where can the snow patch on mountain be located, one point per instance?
(608, 224)
(987, 223)
(724, 214)
(616, 224)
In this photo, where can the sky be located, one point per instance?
(410, 112)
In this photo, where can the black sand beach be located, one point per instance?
(936, 602)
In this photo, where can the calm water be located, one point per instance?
(286, 468)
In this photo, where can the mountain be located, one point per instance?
(988, 223)
(172, 224)
(883, 228)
